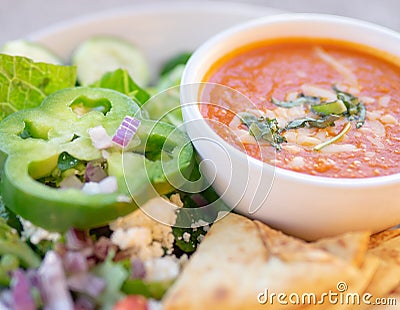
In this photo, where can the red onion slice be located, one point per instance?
(21, 292)
(126, 131)
(53, 285)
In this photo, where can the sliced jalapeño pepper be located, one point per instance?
(32, 141)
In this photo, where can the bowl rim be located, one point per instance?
(193, 112)
(157, 6)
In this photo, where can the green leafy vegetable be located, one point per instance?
(114, 274)
(10, 243)
(8, 263)
(154, 290)
(301, 100)
(355, 108)
(24, 83)
(165, 106)
(348, 99)
(195, 235)
(180, 59)
(121, 81)
(331, 107)
(187, 246)
(263, 128)
(165, 103)
(10, 217)
(324, 122)
(170, 79)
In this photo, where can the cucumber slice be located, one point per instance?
(34, 51)
(99, 55)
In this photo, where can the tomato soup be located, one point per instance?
(332, 108)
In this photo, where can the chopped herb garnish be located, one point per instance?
(340, 135)
(66, 161)
(324, 122)
(263, 128)
(345, 105)
(301, 100)
(361, 115)
(331, 107)
(355, 108)
(348, 99)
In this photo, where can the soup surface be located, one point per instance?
(337, 107)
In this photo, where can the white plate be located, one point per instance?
(160, 30)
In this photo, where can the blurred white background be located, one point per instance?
(19, 18)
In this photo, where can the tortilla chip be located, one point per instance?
(240, 261)
(383, 236)
(351, 247)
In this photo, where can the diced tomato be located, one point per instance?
(132, 302)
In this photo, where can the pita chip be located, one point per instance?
(383, 236)
(241, 264)
(351, 247)
(387, 277)
(392, 303)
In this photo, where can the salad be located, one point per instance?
(87, 151)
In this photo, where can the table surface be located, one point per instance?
(18, 18)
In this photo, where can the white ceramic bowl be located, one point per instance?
(303, 205)
(160, 29)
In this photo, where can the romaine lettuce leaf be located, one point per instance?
(121, 81)
(24, 83)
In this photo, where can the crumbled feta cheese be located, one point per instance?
(105, 186)
(109, 185)
(161, 210)
(160, 239)
(36, 234)
(134, 237)
(176, 200)
(105, 154)
(186, 236)
(200, 238)
(124, 198)
(162, 269)
(221, 214)
(100, 138)
(200, 223)
(153, 304)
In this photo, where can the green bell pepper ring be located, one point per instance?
(32, 140)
